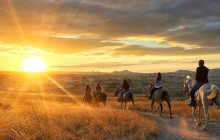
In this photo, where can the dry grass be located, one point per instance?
(57, 116)
(179, 108)
(60, 116)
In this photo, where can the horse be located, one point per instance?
(159, 96)
(127, 97)
(203, 97)
(87, 98)
(187, 85)
(99, 97)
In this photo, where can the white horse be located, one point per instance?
(187, 85)
(203, 98)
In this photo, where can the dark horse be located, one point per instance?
(127, 97)
(87, 99)
(99, 97)
(159, 96)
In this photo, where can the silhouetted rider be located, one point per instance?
(125, 88)
(201, 78)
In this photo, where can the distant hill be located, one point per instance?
(214, 72)
(211, 72)
(124, 72)
(185, 72)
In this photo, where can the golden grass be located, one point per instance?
(57, 116)
(60, 116)
(179, 108)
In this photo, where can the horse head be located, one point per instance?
(150, 85)
(117, 91)
(187, 85)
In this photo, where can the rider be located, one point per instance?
(98, 88)
(87, 90)
(201, 78)
(125, 88)
(158, 84)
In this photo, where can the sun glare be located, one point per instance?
(33, 64)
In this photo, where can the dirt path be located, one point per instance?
(183, 129)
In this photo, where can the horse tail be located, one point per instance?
(213, 92)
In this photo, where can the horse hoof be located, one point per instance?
(171, 117)
(204, 129)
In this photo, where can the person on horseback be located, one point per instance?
(87, 91)
(157, 86)
(201, 78)
(98, 88)
(125, 88)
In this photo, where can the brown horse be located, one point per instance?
(99, 97)
(87, 99)
(127, 97)
(159, 96)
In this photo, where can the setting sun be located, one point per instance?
(33, 64)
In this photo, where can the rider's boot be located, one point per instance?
(192, 104)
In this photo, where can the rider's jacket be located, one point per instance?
(202, 74)
(158, 83)
(126, 86)
(98, 88)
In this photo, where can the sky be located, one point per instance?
(110, 35)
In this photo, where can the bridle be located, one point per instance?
(186, 88)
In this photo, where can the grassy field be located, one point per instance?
(58, 116)
(179, 108)
(64, 116)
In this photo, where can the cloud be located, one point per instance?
(187, 22)
(99, 65)
(137, 50)
(125, 65)
(59, 45)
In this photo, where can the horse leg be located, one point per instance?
(152, 106)
(158, 109)
(161, 109)
(168, 103)
(194, 113)
(206, 116)
(133, 102)
(198, 116)
(126, 104)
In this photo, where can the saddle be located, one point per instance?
(156, 91)
(196, 93)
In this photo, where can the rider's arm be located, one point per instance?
(197, 75)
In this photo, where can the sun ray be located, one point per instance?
(14, 15)
(64, 90)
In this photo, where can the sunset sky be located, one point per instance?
(110, 35)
